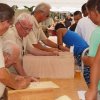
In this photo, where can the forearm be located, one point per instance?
(12, 81)
(48, 49)
(7, 78)
(13, 75)
(50, 43)
(38, 52)
(94, 76)
(44, 48)
(61, 47)
(95, 71)
(19, 68)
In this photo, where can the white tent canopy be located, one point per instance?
(57, 5)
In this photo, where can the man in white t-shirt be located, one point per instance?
(85, 26)
(6, 79)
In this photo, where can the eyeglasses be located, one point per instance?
(26, 29)
(45, 14)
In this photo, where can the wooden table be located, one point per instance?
(68, 87)
(61, 66)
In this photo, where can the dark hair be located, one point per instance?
(59, 25)
(77, 13)
(91, 4)
(84, 10)
(98, 5)
(6, 12)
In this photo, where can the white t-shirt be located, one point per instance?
(2, 86)
(84, 28)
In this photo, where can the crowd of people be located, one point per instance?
(26, 36)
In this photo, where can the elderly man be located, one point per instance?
(40, 14)
(11, 54)
(6, 18)
(18, 34)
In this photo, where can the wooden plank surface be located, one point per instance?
(50, 66)
(68, 87)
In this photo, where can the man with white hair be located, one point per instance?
(11, 53)
(40, 14)
(18, 34)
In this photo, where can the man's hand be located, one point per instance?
(56, 53)
(33, 79)
(18, 77)
(23, 83)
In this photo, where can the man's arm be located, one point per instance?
(38, 52)
(50, 43)
(94, 78)
(19, 68)
(44, 48)
(7, 79)
(35, 48)
(32, 39)
(46, 41)
(95, 69)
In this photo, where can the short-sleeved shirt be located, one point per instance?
(84, 28)
(12, 35)
(37, 33)
(73, 39)
(2, 86)
(94, 42)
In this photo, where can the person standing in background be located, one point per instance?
(85, 26)
(77, 16)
